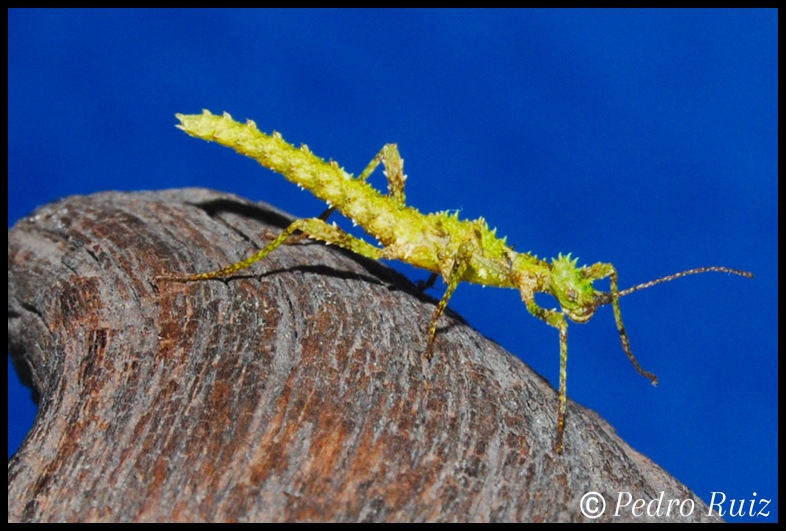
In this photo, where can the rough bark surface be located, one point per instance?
(292, 392)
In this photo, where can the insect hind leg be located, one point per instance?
(394, 171)
(313, 228)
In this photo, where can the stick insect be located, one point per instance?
(457, 250)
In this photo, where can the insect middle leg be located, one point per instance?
(452, 279)
(423, 285)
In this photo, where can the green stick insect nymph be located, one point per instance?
(457, 250)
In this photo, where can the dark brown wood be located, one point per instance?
(292, 392)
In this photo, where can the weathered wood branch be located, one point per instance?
(295, 391)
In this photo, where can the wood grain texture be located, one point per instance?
(292, 392)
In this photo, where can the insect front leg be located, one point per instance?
(598, 271)
(558, 321)
(314, 228)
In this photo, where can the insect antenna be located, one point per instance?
(612, 297)
(608, 297)
(675, 276)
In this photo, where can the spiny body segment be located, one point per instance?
(455, 249)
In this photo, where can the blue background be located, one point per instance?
(642, 138)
